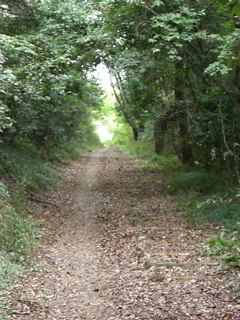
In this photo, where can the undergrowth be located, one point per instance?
(204, 197)
(205, 194)
(18, 238)
(19, 233)
(25, 168)
(227, 246)
(10, 272)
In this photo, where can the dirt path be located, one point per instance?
(116, 249)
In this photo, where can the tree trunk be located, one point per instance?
(185, 149)
(135, 133)
(158, 137)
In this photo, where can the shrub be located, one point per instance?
(18, 235)
(227, 245)
(191, 180)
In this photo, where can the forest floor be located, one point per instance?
(115, 247)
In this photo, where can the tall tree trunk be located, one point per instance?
(158, 137)
(185, 149)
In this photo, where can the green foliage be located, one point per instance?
(233, 6)
(9, 270)
(222, 208)
(156, 53)
(18, 234)
(164, 163)
(194, 181)
(25, 166)
(91, 139)
(177, 64)
(44, 87)
(124, 139)
(227, 247)
(176, 71)
(203, 196)
(144, 149)
(5, 121)
(122, 135)
(188, 203)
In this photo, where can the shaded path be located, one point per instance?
(123, 253)
(75, 259)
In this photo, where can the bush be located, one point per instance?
(222, 208)
(204, 196)
(9, 270)
(227, 245)
(18, 235)
(25, 167)
(192, 180)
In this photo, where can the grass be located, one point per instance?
(193, 180)
(204, 196)
(138, 149)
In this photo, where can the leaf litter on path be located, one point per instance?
(118, 249)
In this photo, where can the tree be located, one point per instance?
(167, 57)
(46, 91)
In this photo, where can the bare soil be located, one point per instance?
(115, 247)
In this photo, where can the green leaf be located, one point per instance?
(236, 10)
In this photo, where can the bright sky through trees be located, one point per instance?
(103, 132)
(104, 80)
(103, 76)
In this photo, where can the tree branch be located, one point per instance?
(34, 197)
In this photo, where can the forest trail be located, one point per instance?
(117, 248)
